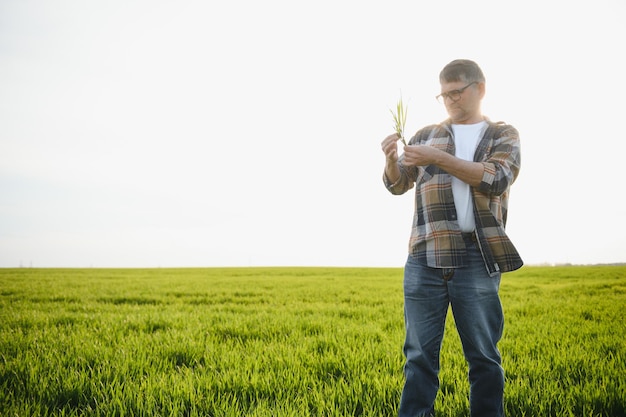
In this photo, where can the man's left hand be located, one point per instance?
(420, 155)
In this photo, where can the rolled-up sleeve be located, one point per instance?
(404, 183)
(502, 164)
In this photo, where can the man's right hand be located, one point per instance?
(390, 148)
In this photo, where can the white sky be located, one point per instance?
(142, 133)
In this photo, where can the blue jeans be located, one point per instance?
(477, 310)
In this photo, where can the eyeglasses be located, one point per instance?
(453, 95)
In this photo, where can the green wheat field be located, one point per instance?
(291, 342)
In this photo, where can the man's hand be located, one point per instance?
(421, 155)
(390, 148)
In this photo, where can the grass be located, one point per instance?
(290, 342)
(399, 120)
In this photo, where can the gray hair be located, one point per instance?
(462, 70)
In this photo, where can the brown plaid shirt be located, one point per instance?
(436, 238)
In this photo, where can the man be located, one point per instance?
(462, 170)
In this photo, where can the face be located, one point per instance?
(465, 110)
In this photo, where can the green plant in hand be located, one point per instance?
(399, 119)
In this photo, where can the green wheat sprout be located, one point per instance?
(399, 119)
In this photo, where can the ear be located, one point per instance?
(482, 88)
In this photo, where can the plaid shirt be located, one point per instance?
(436, 239)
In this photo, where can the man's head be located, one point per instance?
(462, 89)
(462, 70)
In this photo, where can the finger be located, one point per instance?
(392, 138)
(388, 144)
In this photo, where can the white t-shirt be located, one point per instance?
(466, 138)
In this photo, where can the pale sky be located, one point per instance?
(143, 133)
